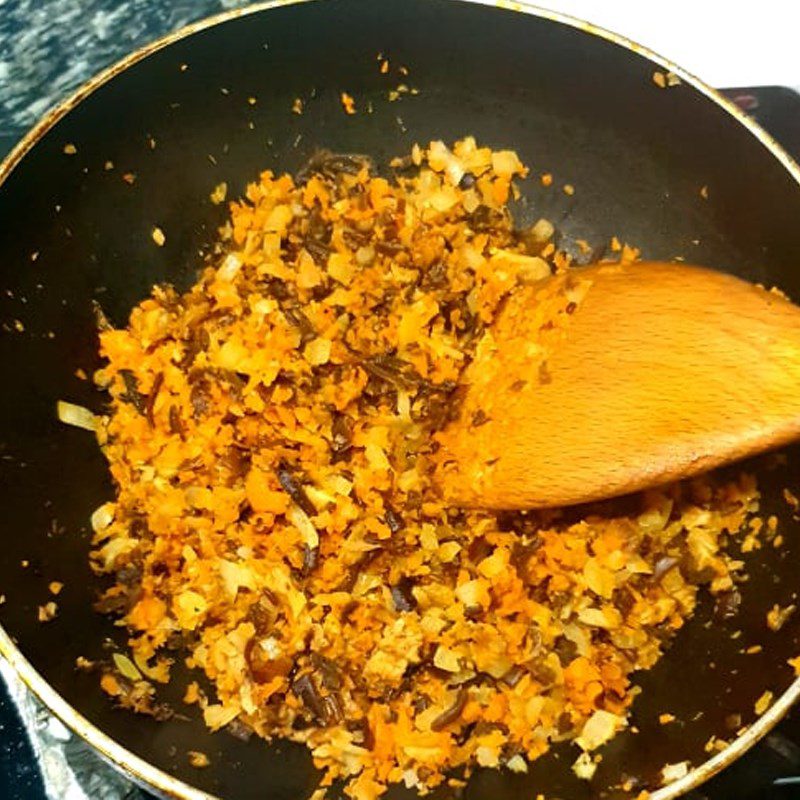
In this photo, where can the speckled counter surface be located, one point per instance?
(47, 49)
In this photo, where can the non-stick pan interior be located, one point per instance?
(217, 106)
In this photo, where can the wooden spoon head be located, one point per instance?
(612, 378)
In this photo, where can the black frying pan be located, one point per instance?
(581, 105)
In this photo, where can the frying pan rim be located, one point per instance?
(136, 768)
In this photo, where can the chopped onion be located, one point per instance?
(673, 772)
(102, 517)
(446, 659)
(230, 268)
(441, 159)
(542, 231)
(318, 497)
(584, 767)
(517, 764)
(126, 667)
(217, 715)
(235, 576)
(599, 728)
(301, 521)
(77, 416)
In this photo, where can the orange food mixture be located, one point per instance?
(271, 437)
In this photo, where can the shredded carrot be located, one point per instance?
(272, 434)
(348, 103)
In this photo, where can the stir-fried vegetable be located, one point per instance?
(272, 437)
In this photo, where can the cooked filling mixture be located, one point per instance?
(272, 435)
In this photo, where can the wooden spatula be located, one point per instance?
(616, 378)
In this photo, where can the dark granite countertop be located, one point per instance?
(50, 47)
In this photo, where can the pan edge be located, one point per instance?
(124, 760)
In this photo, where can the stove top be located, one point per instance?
(33, 744)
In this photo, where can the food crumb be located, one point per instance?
(763, 703)
(753, 650)
(517, 764)
(55, 587)
(47, 612)
(616, 245)
(791, 499)
(348, 103)
(772, 523)
(219, 194)
(252, 101)
(129, 178)
(84, 664)
(665, 719)
(733, 722)
(777, 616)
(81, 375)
(665, 79)
(704, 192)
(2, 599)
(151, 142)
(197, 759)
(569, 189)
(629, 254)
(110, 685)
(70, 149)
(673, 772)
(158, 236)
(584, 767)
(297, 106)
(384, 66)
(34, 255)
(184, 67)
(715, 744)
(108, 166)
(547, 179)
(192, 694)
